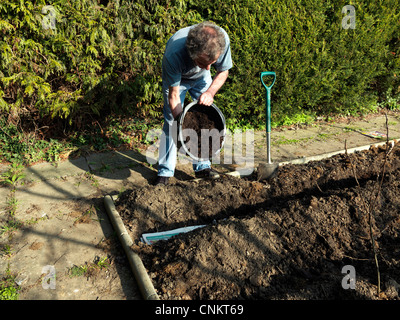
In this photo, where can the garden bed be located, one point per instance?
(287, 238)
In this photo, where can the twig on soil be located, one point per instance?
(169, 215)
(352, 258)
(318, 187)
(59, 258)
(371, 208)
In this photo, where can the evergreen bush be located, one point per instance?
(98, 56)
(94, 58)
(321, 68)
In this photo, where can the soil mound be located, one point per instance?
(287, 238)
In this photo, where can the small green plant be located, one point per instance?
(86, 216)
(11, 177)
(12, 204)
(6, 250)
(21, 148)
(54, 150)
(391, 102)
(13, 174)
(77, 271)
(10, 225)
(9, 290)
(89, 269)
(102, 263)
(90, 176)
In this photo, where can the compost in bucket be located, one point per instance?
(208, 126)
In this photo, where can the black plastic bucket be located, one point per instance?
(209, 140)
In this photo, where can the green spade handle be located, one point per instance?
(268, 96)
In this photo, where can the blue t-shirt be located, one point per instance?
(177, 64)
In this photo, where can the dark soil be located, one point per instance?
(207, 143)
(287, 238)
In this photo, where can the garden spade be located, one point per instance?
(269, 169)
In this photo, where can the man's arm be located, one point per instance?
(207, 98)
(174, 101)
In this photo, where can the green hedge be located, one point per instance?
(320, 67)
(105, 56)
(97, 59)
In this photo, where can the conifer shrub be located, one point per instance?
(68, 59)
(321, 68)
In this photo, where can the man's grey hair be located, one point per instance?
(205, 38)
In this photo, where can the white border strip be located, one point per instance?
(245, 173)
(334, 153)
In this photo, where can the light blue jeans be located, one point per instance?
(167, 152)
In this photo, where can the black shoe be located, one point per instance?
(162, 181)
(206, 174)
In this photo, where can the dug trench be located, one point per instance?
(286, 238)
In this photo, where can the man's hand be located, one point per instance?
(206, 99)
